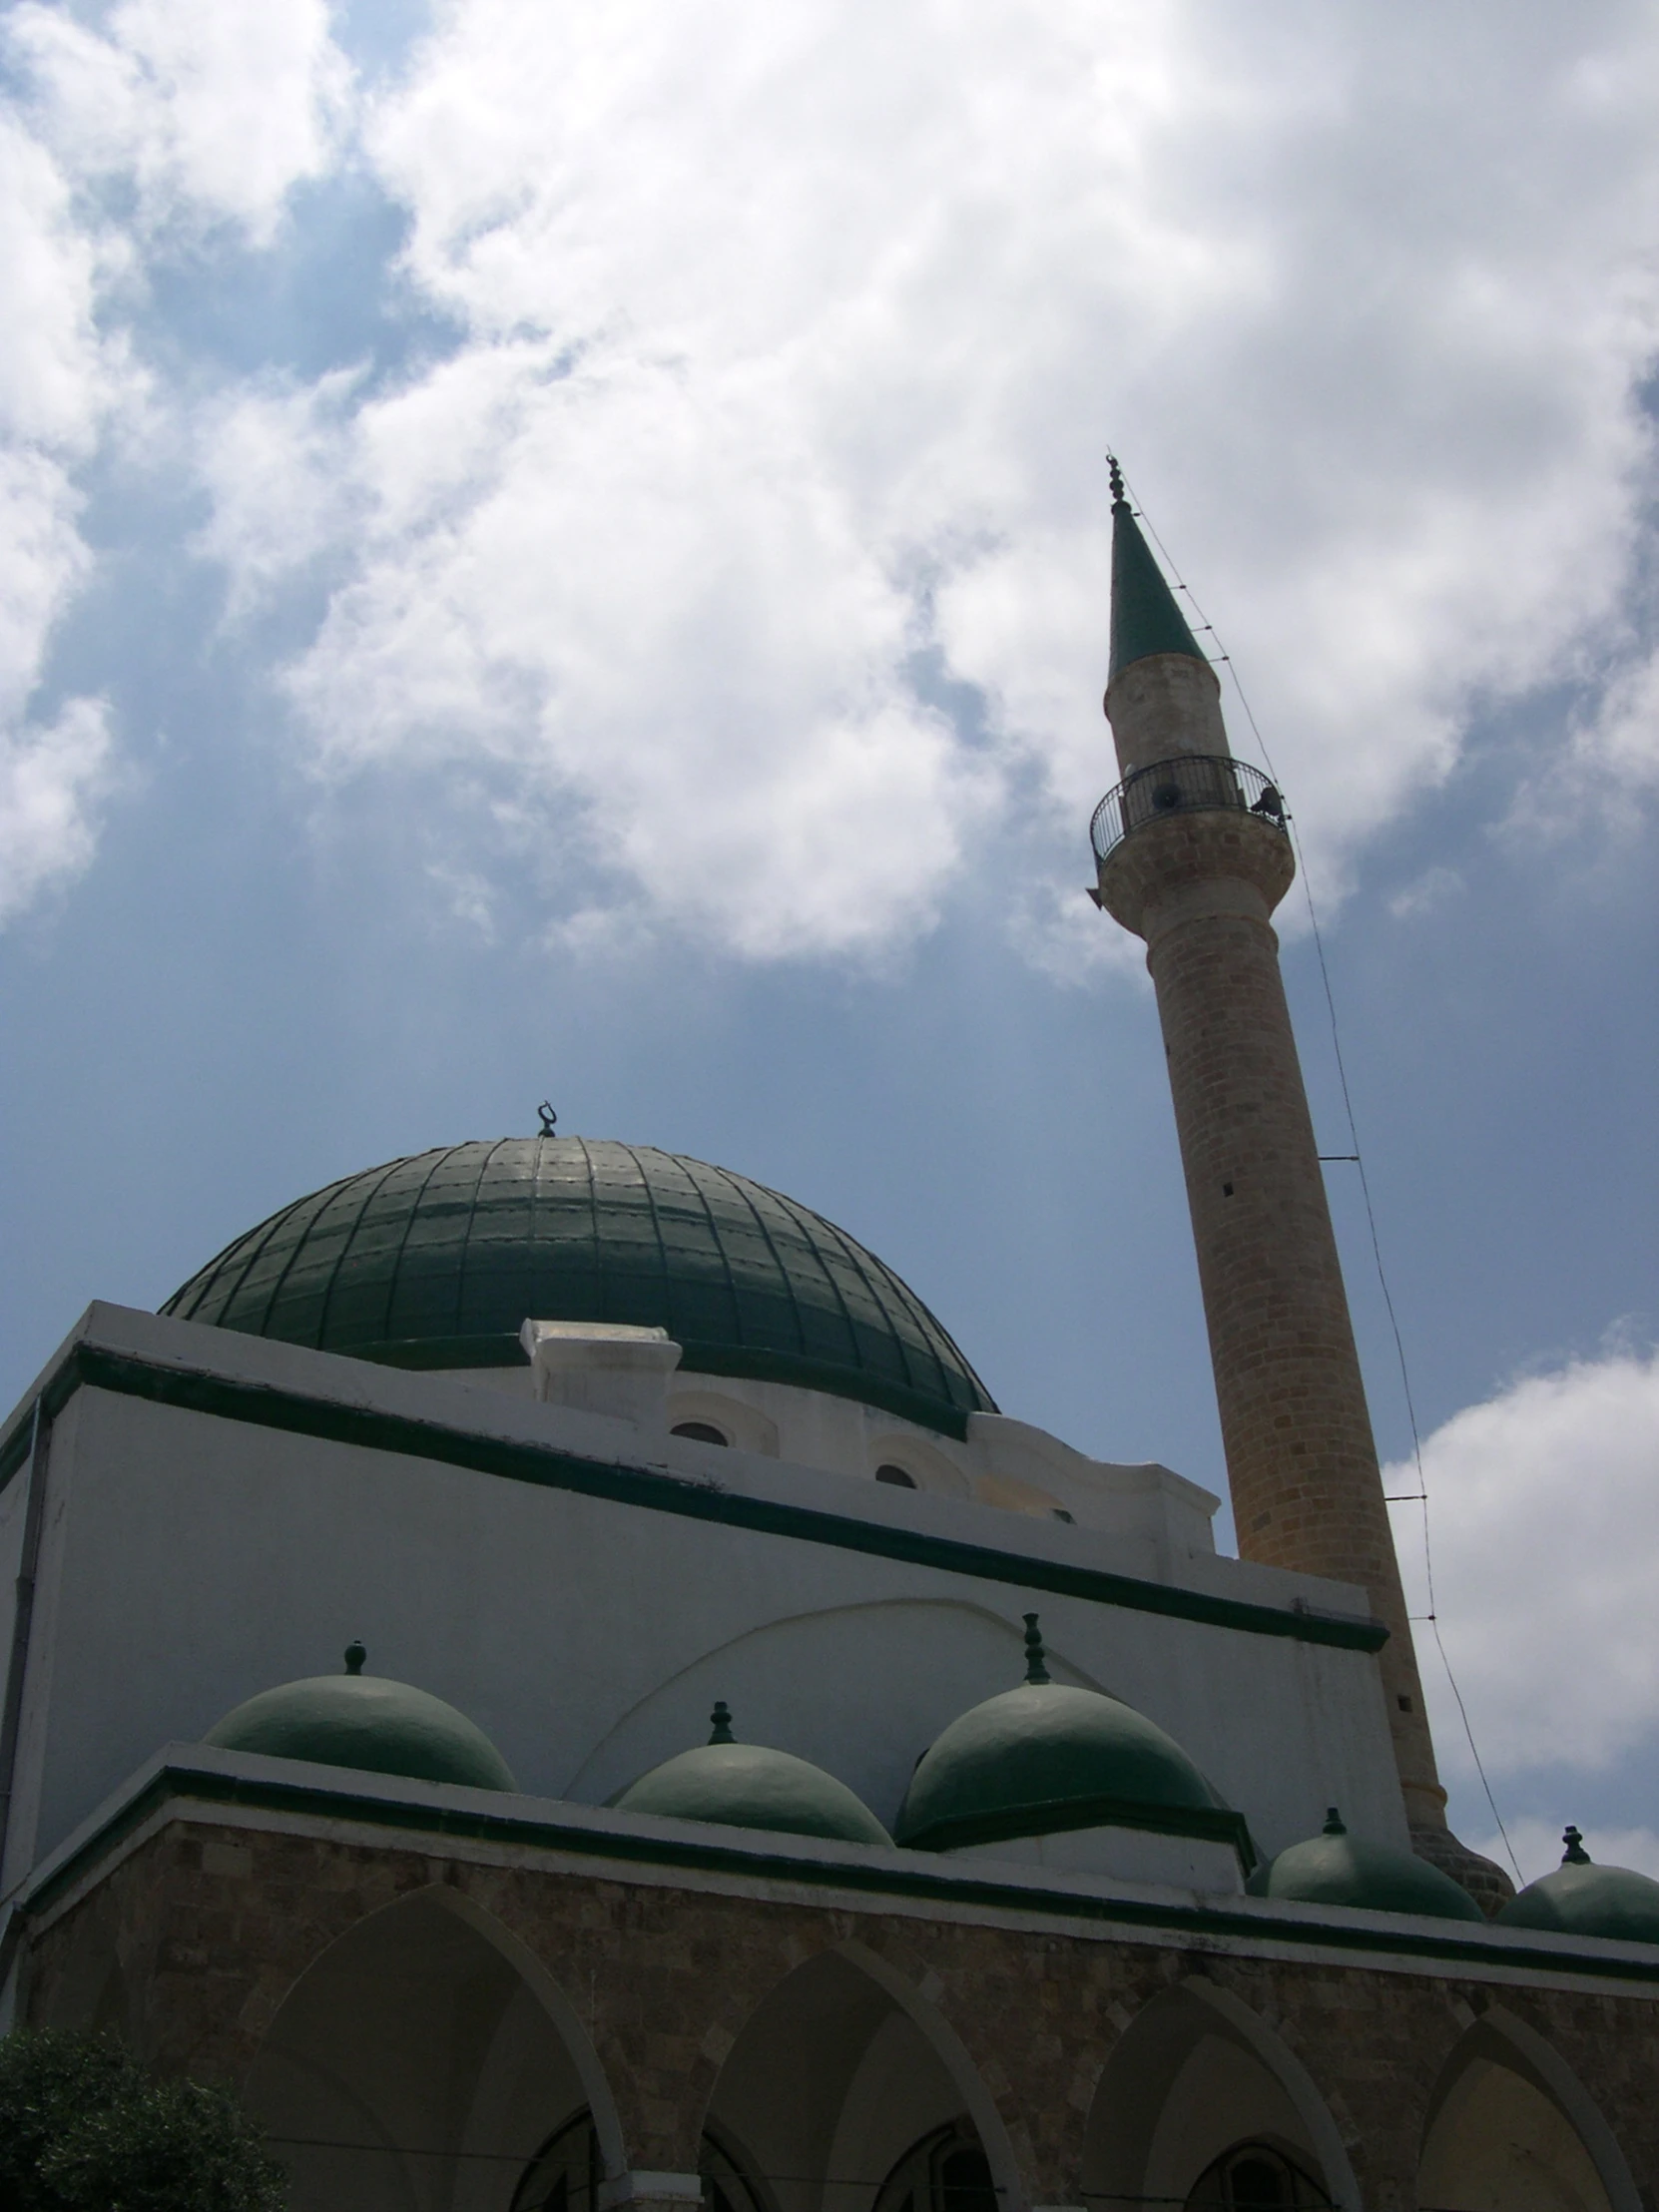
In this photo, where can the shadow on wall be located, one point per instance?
(1512, 2129)
(847, 2092)
(859, 1690)
(1200, 2103)
(422, 2062)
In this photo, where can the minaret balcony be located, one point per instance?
(1190, 782)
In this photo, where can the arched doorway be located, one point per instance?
(845, 2093)
(945, 2172)
(1511, 2131)
(1201, 2105)
(1255, 2177)
(565, 2174)
(421, 2065)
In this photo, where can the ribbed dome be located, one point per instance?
(436, 1261)
(364, 1721)
(751, 1786)
(1335, 1867)
(1582, 1899)
(1046, 1758)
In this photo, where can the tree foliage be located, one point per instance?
(83, 2129)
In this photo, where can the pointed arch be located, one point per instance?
(1502, 2074)
(838, 2071)
(424, 2043)
(977, 2101)
(1195, 2072)
(559, 2009)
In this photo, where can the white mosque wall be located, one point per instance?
(190, 1559)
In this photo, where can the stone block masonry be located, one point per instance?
(1301, 1461)
(213, 1928)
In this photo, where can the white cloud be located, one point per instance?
(278, 460)
(50, 779)
(1426, 893)
(207, 111)
(59, 381)
(688, 665)
(205, 114)
(1545, 1529)
(1621, 742)
(1611, 761)
(785, 349)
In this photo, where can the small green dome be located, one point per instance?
(363, 1721)
(1046, 1758)
(436, 1262)
(1582, 1899)
(1334, 1869)
(749, 1786)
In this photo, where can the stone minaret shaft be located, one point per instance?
(1196, 869)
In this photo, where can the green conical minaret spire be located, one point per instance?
(1145, 617)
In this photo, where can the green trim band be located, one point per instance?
(266, 1405)
(422, 1354)
(1211, 1823)
(299, 1797)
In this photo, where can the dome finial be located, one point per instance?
(721, 1718)
(1035, 1671)
(1575, 1855)
(548, 1117)
(356, 1651)
(1335, 1825)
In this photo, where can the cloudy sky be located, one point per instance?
(563, 550)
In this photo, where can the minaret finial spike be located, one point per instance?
(1115, 479)
(721, 1718)
(1035, 1671)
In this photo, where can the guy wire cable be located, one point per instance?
(1420, 1495)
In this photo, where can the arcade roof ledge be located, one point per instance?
(245, 1790)
(437, 1417)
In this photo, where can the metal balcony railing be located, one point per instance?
(1192, 783)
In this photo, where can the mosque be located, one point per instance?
(544, 1667)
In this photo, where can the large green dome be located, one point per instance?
(753, 1786)
(367, 1722)
(435, 1261)
(1046, 1758)
(1335, 1867)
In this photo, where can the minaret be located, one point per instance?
(1194, 856)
